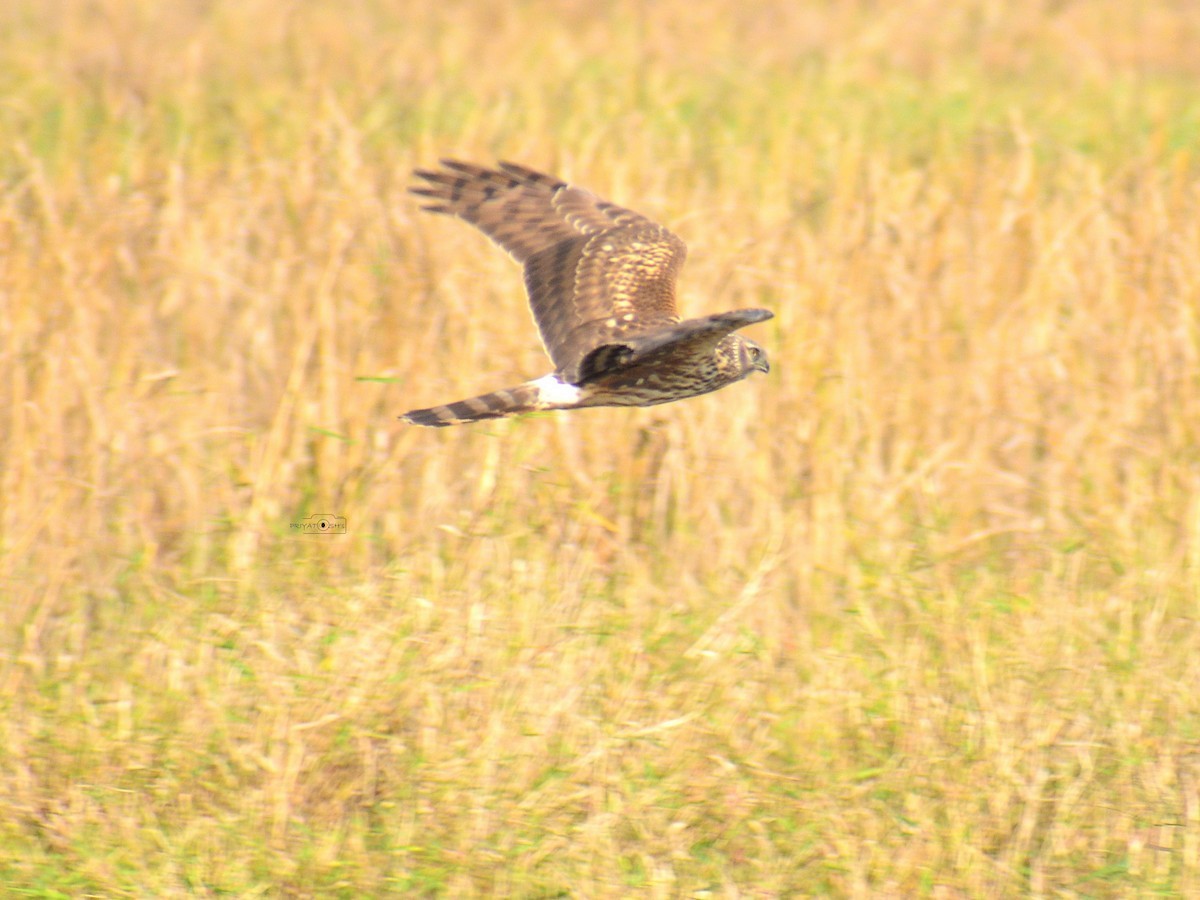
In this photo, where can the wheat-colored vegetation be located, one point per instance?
(915, 615)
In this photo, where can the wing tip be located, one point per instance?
(454, 169)
(443, 177)
(751, 316)
(527, 175)
(434, 207)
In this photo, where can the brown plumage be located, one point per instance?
(601, 284)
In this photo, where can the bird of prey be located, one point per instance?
(601, 282)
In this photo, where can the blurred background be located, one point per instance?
(914, 615)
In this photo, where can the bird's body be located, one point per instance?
(601, 284)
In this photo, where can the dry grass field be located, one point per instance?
(916, 615)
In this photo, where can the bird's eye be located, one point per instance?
(755, 353)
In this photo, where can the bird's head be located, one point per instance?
(739, 356)
(753, 357)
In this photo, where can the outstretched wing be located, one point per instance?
(690, 339)
(596, 273)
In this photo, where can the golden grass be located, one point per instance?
(916, 615)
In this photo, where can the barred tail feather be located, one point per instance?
(544, 393)
(495, 405)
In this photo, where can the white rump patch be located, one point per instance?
(553, 390)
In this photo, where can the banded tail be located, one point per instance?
(547, 392)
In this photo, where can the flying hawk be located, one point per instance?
(601, 282)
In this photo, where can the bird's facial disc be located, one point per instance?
(754, 357)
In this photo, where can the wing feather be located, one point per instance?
(689, 337)
(596, 273)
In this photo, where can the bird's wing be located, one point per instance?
(692, 336)
(596, 273)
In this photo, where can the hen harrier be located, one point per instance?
(601, 281)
